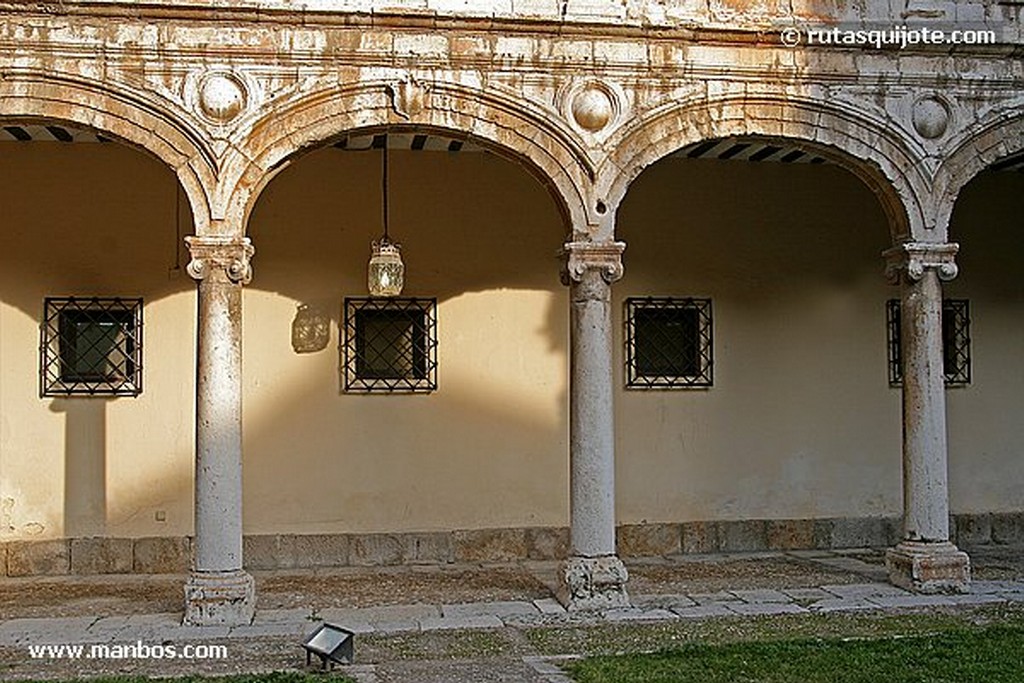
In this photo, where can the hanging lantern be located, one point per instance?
(386, 273)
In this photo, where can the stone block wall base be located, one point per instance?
(219, 599)
(929, 567)
(593, 584)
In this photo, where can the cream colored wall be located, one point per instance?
(800, 422)
(489, 448)
(93, 219)
(986, 419)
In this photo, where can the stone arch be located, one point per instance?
(871, 150)
(125, 114)
(982, 147)
(526, 134)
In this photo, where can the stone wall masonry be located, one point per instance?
(172, 555)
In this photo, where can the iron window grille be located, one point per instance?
(956, 341)
(91, 347)
(390, 345)
(668, 343)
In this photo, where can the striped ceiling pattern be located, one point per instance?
(731, 149)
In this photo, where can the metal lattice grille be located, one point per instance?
(390, 345)
(668, 343)
(91, 347)
(956, 341)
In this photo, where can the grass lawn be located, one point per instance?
(994, 654)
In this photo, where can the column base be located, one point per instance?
(219, 599)
(592, 584)
(929, 567)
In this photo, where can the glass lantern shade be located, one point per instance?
(386, 273)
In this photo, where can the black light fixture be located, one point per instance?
(386, 272)
(330, 643)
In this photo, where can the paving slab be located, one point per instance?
(714, 609)
(765, 608)
(635, 614)
(294, 615)
(713, 598)
(665, 601)
(44, 631)
(808, 594)
(497, 609)
(763, 595)
(912, 600)
(282, 628)
(862, 590)
(842, 605)
(549, 606)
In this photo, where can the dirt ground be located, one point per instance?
(107, 595)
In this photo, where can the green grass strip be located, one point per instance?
(990, 655)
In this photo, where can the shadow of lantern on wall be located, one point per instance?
(311, 329)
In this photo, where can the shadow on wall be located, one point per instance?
(94, 220)
(489, 447)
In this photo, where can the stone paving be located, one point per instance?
(292, 624)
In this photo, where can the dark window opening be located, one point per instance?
(668, 343)
(390, 345)
(91, 346)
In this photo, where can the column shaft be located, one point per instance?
(593, 577)
(218, 478)
(925, 487)
(925, 561)
(591, 419)
(218, 591)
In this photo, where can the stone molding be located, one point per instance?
(579, 257)
(912, 259)
(213, 256)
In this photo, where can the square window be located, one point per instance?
(956, 341)
(390, 345)
(668, 343)
(91, 347)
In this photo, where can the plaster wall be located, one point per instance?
(94, 220)
(801, 422)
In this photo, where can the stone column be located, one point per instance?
(218, 590)
(593, 577)
(925, 560)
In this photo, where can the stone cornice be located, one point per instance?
(272, 61)
(762, 33)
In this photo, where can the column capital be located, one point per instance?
(226, 257)
(913, 258)
(579, 257)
